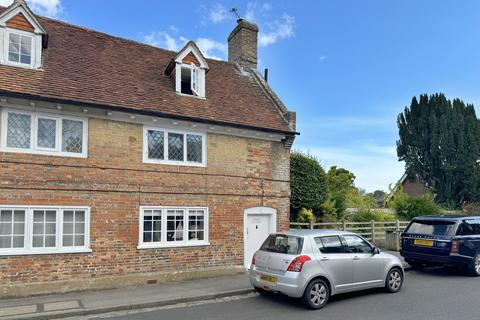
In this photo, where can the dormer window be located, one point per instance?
(19, 48)
(189, 79)
(187, 70)
(21, 37)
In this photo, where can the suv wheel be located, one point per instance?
(316, 295)
(474, 267)
(394, 280)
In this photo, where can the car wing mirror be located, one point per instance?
(375, 250)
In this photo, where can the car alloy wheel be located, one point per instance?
(316, 295)
(394, 280)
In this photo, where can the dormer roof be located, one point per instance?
(190, 53)
(19, 16)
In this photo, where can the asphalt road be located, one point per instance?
(433, 293)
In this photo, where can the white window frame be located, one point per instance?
(165, 160)
(194, 79)
(32, 45)
(34, 149)
(35, 59)
(171, 244)
(28, 248)
(199, 92)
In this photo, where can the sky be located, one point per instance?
(347, 67)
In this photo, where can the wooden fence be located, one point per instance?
(373, 231)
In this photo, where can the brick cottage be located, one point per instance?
(124, 164)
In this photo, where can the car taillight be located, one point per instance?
(297, 264)
(253, 260)
(455, 246)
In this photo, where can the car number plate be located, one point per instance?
(424, 243)
(268, 279)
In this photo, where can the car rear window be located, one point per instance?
(282, 243)
(432, 228)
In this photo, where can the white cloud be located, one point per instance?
(375, 166)
(169, 40)
(217, 13)
(282, 28)
(50, 8)
(211, 48)
(256, 9)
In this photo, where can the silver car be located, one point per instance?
(316, 264)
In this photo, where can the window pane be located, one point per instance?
(80, 227)
(46, 133)
(174, 225)
(19, 216)
(195, 224)
(44, 228)
(156, 144)
(14, 38)
(147, 237)
(79, 240)
(18, 242)
(68, 240)
(26, 46)
(68, 216)
(18, 228)
(175, 146)
(18, 130)
(5, 228)
(5, 242)
(329, 244)
(357, 245)
(194, 148)
(6, 216)
(25, 59)
(15, 57)
(67, 228)
(72, 136)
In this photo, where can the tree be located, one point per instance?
(408, 207)
(308, 183)
(440, 143)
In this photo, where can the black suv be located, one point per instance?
(444, 240)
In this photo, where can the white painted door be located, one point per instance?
(258, 227)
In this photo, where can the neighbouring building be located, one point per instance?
(125, 164)
(411, 185)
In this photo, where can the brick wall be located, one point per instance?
(113, 181)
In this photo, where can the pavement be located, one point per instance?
(86, 303)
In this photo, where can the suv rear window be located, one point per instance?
(432, 228)
(282, 243)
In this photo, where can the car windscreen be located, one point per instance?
(432, 228)
(282, 243)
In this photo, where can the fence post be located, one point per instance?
(398, 226)
(311, 225)
(344, 225)
(373, 230)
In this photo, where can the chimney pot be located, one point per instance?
(242, 44)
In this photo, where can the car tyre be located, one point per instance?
(316, 294)
(474, 266)
(394, 280)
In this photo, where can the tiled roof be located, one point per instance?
(86, 66)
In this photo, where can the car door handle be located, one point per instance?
(356, 258)
(324, 259)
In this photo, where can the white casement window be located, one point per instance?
(174, 147)
(44, 230)
(33, 132)
(191, 80)
(173, 227)
(20, 48)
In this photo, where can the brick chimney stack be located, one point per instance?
(242, 44)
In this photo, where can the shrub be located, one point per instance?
(305, 215)
(308, 183)
(408, 207)
(366, 215)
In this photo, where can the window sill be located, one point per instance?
(49, 251)
(44, 152)
(175, 163)
(173, 245)
(191, 96)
